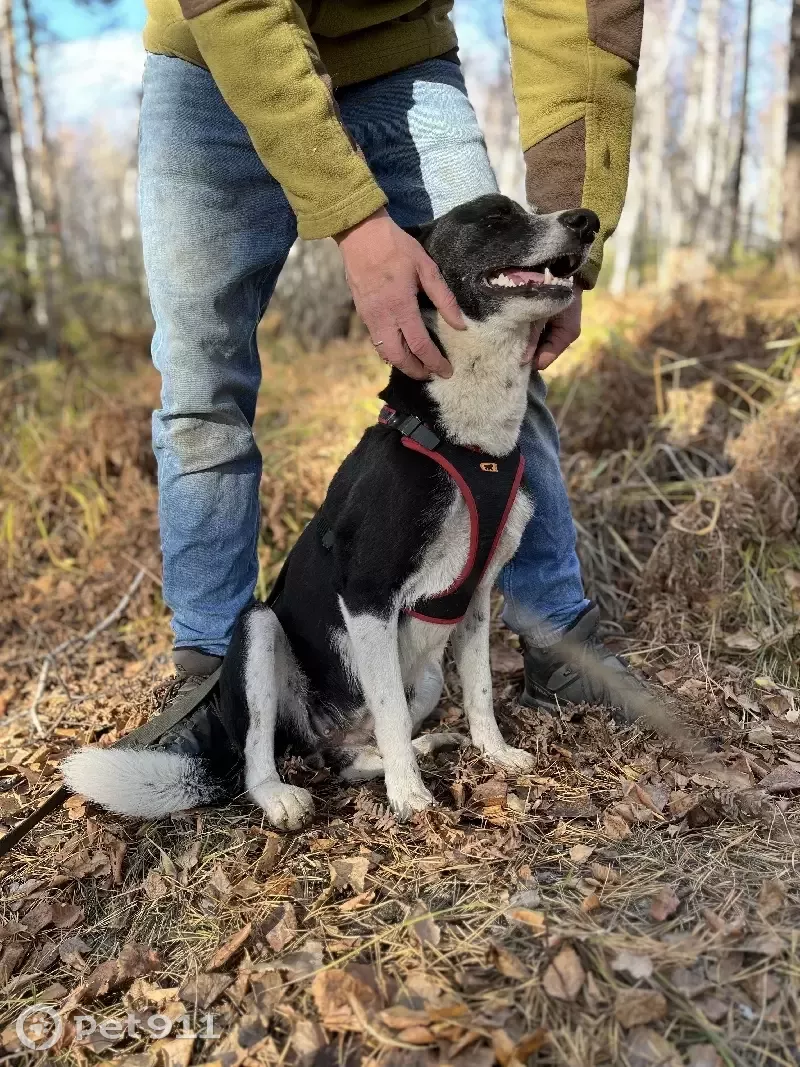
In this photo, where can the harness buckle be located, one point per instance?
(416, 429)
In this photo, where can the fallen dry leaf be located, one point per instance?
(714, 772)
(227, 951)
(334, 992)
(204, 989)
(350, 872)
(647, 1048)
(534, 919)
(565, 975)
(580, 853)
(764, 945)
(664, 904)
(173, 1052)
(424, 927)
(761, 735)
(417, 1035)
(304, 961)
(75, 807)
(362, 900)
(637, 1007)
(134, 961)
(49, 913)
(71, 951)
(781, 780)
(772, 896)
(530, 1043)
(489, 793)
(615, 827)
(280, 927)
(155, 887)
(220, 883)
(243, 1043)
(308, 1038)
(741, 641)
(399, 1017)
(705, 1056)
(142, 992)
(777, 704)
(507, 963)
(605, 875)
(688, 982)
(714, 1009)
(636, 966)
(503, 1045)
(590, 903)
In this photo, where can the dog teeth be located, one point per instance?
(505, 281)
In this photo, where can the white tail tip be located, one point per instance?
(145, 783)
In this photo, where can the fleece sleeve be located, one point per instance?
(267, 67)
(573, 66)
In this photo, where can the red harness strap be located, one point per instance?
(488, 486)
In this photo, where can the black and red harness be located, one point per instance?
(488, 485)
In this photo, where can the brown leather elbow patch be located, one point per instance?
(192, 8)
(555, 168)
(616, 26)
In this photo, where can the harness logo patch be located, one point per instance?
(490, 468)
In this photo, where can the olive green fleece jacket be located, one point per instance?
(278, 63)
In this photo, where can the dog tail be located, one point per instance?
(147, 783)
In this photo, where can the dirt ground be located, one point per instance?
(626, 904)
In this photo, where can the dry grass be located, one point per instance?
(624, 905)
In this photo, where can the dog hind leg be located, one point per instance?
(273, 688)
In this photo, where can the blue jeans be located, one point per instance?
(217, 229)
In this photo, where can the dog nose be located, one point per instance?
(583, 223)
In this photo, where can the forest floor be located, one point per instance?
(626, 904)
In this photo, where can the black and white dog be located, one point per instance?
(345, 659)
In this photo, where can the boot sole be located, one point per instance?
(529, 701)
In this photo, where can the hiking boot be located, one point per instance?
(192, 734)
(579, 669)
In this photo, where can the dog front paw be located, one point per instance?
(513, 760)
(288, 807)
(409, 799)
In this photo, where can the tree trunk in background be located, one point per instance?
(736, 181)
(19, 156)
(312, 300)
(791, 179)
(48, 224)
(704, 139)
(11, 291)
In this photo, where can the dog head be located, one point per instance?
(505, 263)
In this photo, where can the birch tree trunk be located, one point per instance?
(19, 157)
(11, 292)
(705, 141)
(741, 144)
(790, 236)
(48, 225)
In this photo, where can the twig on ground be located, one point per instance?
(37, 696)
(115, 614)
(86, 639)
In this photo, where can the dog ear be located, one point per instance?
(420, 233)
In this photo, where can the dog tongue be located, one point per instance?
(525, 277)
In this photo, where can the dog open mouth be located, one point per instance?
(554, 274)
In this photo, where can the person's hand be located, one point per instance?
(385, 269)
(560, 332)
